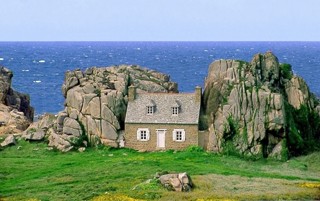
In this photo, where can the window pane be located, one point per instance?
(175, 110)
(143, 135)
(149, 110)
(179, 135)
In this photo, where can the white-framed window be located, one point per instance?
(143, 134)
(179, 135)
(150, 110)
(175, 110)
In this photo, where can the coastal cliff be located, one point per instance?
(16, 114)
(259, 108)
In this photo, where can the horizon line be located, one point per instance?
(155, 41)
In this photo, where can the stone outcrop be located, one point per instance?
(16, 114)
(96, 102)
(250, 106)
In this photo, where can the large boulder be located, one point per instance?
(16, 114)
(59, 141)
(96, 100)
(253, 108)
(10, 140)
(176, 182)
(34, 134)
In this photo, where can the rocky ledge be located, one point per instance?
(259, 108)
(16, 114)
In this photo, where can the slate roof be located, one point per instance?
(189, 109)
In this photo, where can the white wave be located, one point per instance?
(25, 70)
(1, 59)
(37, 81)
(205, 50)
(42, 61)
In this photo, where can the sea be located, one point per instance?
(39, 67)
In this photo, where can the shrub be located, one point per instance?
(194, 148)
(303, 129)
(286, 71)
(79, 141)
(203, 122)
(231, 129)
(98, 92)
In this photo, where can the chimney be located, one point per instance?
(131, 93)
(198, 94)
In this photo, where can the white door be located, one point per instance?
(161, 138)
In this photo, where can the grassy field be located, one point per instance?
(34, 173)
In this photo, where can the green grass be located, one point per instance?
(35, 172)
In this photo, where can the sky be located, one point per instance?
(160, 20)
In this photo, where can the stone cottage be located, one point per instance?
(161, 121)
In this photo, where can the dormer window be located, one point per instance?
(175, 110)
(150, 110)
(151, 107)
(175, 107)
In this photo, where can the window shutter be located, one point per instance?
(174, 135)
(138, 135)
(148, 134)
(183, 135)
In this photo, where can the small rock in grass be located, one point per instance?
(81, 149)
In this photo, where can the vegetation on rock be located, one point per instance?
(260, 109)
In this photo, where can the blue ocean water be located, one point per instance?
(39, 67)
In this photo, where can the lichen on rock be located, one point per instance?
(246, 106)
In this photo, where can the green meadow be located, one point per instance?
(29, 171)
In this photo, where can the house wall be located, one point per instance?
(191, 136)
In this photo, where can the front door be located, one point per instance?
(161, 138)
